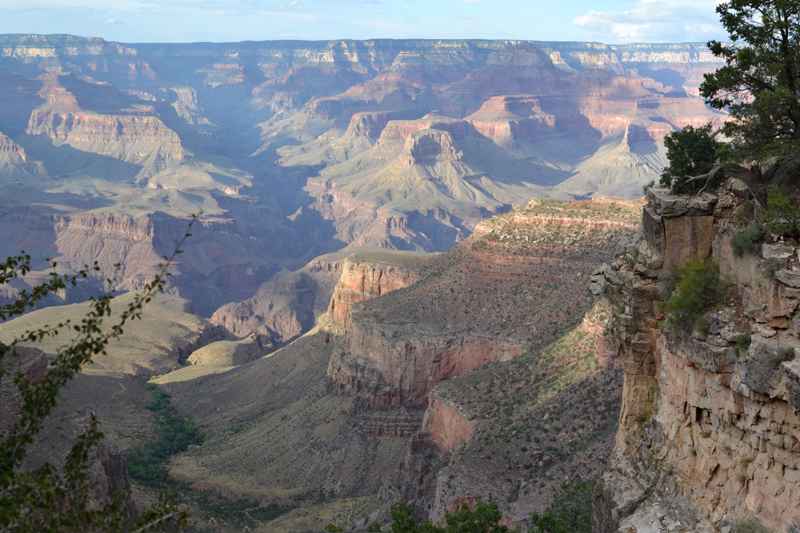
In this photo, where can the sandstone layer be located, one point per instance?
(709, 421)
(290, 150)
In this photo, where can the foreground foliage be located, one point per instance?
(782, 215)
(691, 152)
(570, 512)
(748, 240)
(760, 83)
(52, 498)
(698, 289)
(481, 518)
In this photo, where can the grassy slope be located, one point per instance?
(147, 346)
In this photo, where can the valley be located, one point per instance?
(389, 292)
(291, 150)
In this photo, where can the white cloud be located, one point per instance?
(654, 20)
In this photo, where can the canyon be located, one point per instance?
(420, 362)
(293, 150)
(394, 286)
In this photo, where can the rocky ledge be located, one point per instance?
(709, 428)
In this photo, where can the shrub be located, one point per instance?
(742, 343)
(782, 215)
(750, 525)
(698, 289)
(747, 240)
(570, 512)
(691, 152)
(174, 434)
(480, 518)
(60, 497)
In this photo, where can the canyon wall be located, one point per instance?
(424, 365)
(398, 348)
(295, 149)
(368, 275)
(710, 422)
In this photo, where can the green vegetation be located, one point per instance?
(747, 240)
(750, 525)
(698, 289)
(691, 152)
(782, 216)
(175, 433)
(570, 512)
(759, 83)
(60, 497)
(780, 219)
(742, 343)
(759, 87)
(482, 518)
(241, 514)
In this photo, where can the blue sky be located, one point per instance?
(612, 21)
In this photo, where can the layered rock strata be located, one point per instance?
(371, 274)
(710, 418)
(399, 347)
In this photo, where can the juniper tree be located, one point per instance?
(759, 85)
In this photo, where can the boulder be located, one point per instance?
(777, 251)
(789, 278)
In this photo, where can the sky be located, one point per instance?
(609, 21)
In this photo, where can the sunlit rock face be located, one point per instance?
(296, 149)
(709, 421)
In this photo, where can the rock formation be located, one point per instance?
(14, 161)
(371, 274)
(292, 150)
(135, 135)
(709, 424)
(385, 386)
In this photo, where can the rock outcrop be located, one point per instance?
(281, 310)
(397, 348)
(141, 140)
(399, 393)
(14, 161)
(371, 274)
(135, 135)
(709, 422)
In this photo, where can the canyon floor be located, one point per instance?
(430, 380)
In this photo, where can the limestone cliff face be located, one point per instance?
(134, 134)
(281, 310)
(365, 276)
(447, 426)
(137, 139)
(14, 161)
(11, 151)
(109, 239)
(709, 427)
(219, 263)
(399, 366)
